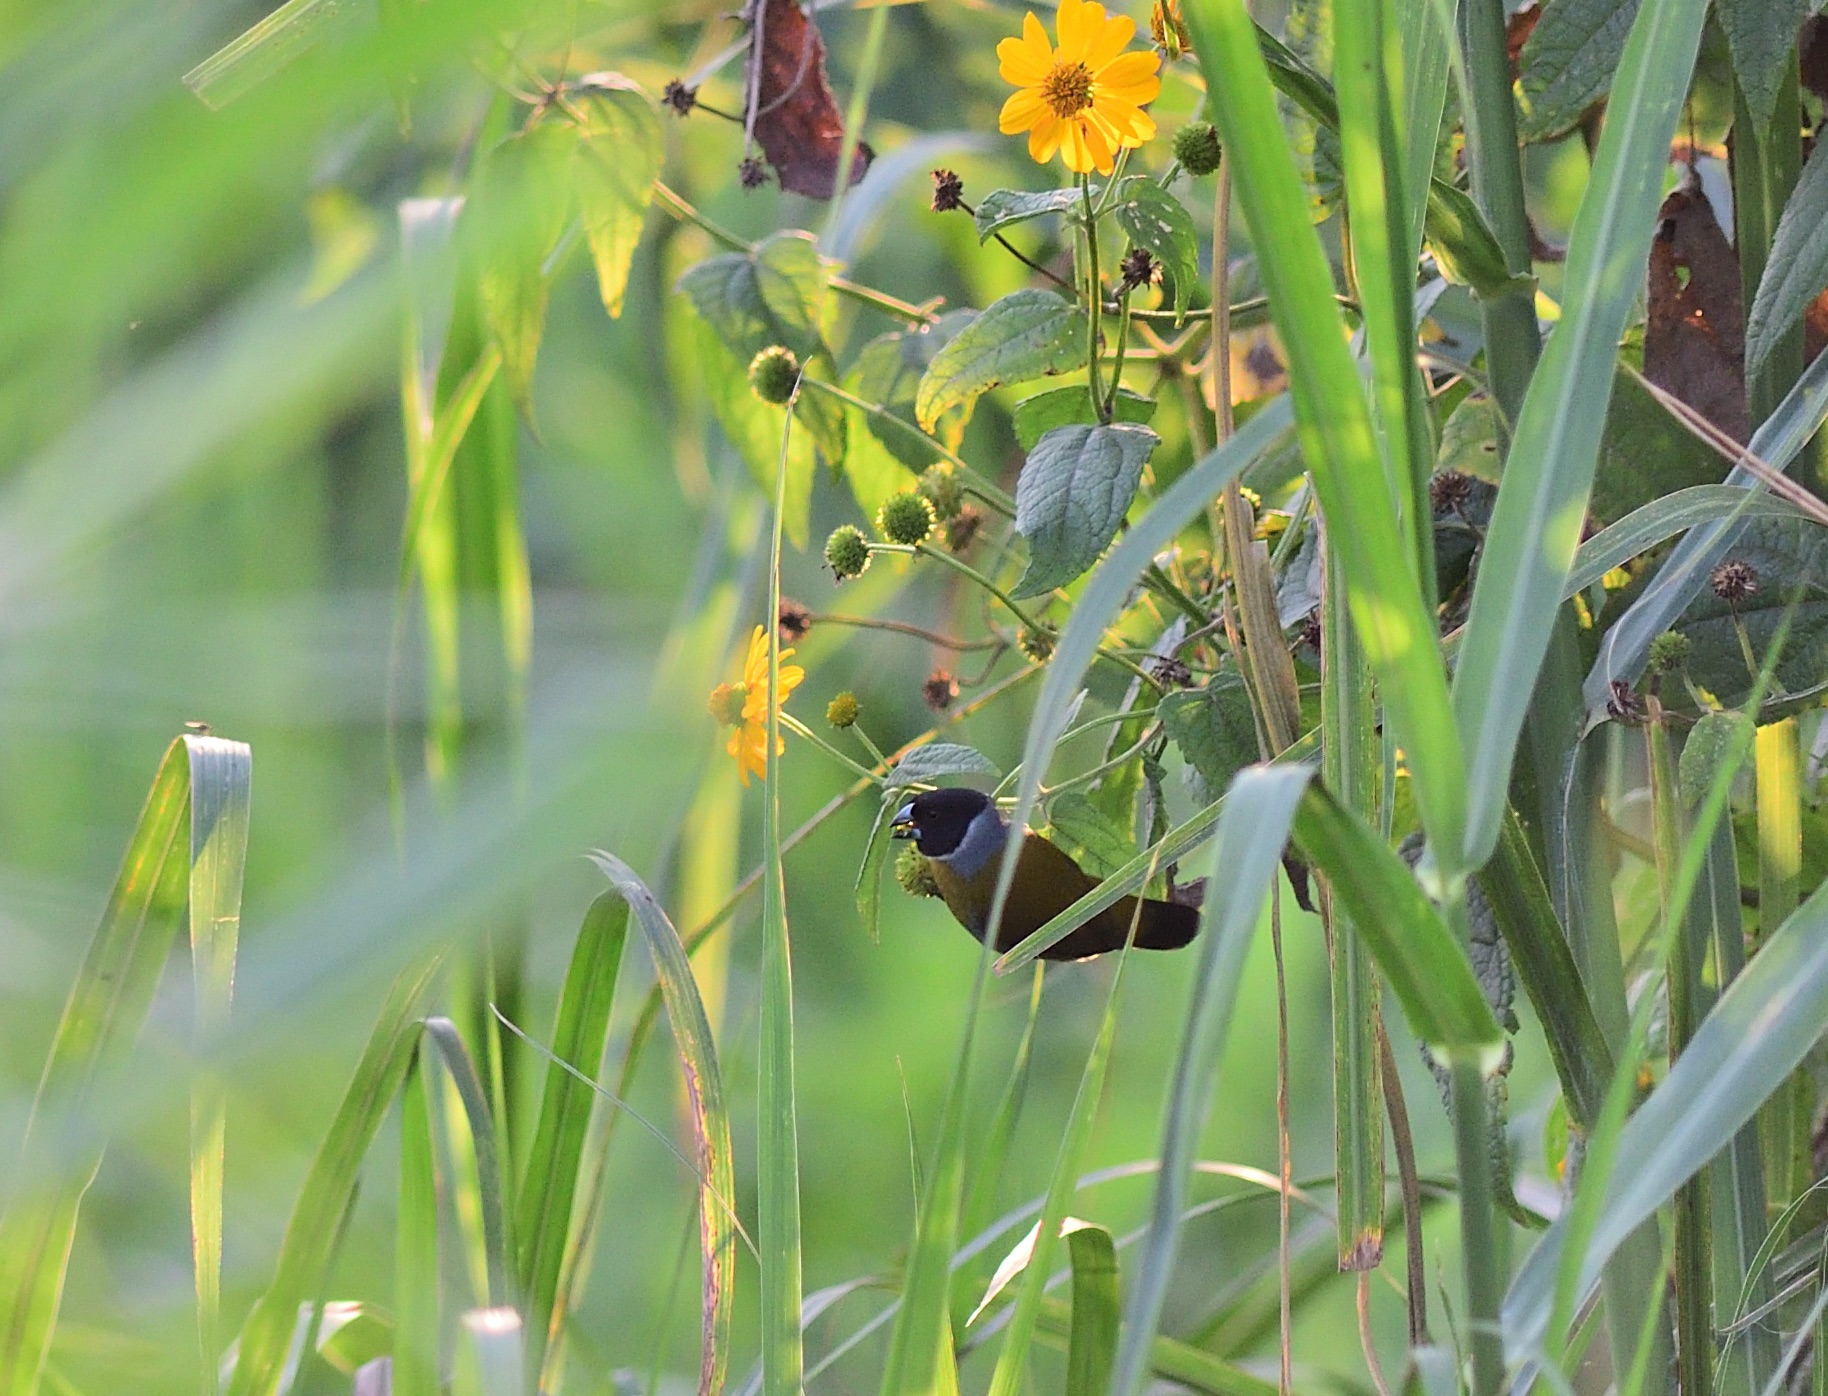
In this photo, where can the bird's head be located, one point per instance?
(942, 822)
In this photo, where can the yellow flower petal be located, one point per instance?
(1126, 122)
(1073, 150)
(1044, 137)
(1137, 69)
(1025, 61)
(1071, 23)
(1106, 43)
(1024, 108)
(1099, 143)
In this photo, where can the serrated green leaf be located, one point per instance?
(1004, 208)
(1159, 223)
(775, 295)
(1568, 62)
(1095, 841)
(1798, 267)
(619, 157)
(1717, 738)
(1760, 35)
(888, 372)
(794, 281)
(518, 212)
(1071, 405)
(754, 428)
(1075, 488)
(1214, 730)
(937, 759)
(1027, 334)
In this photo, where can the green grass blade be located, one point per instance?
(1337, 437)
(311, 1235)
(1426, 64)
(1785, 1123)
(100, 1023)
(1536, 521)
(1777, 442)
(1643, 528)
(549, 1187)
(1181, 1363)
(710, 1116)
(288, 33)
(1413, 945)
(415, 1352)
(1247, 858)
(1368, 79)
(1006, 1380)
(221, 777)
(498, 1247)
(1093, 1343)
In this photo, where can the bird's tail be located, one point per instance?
(1165, 925)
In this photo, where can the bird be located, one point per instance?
(962, 836)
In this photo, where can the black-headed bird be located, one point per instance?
(962, 835)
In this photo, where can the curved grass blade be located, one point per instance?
(1259, 811)
(221, 779)
(415, 1348)
(100, 1023)
(1092, 1346)
(312, 1233)
(549, 1186)
(710, 1117)
(241, 65)
(1643, 528)
(1338, 440)
(1777, 442)
(1413, 945)
(498, 1247)
(1536, 520)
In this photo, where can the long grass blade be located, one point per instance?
(549, 1187)
(498, 1245)
(311, 1235)
(1093, 1342)
(1337, 437)
(100, 1023)
(221, 778)
(710, 1116)
(1536, 521)
(415, 1347)
(1247, 857)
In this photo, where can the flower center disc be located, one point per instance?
(1067, 89)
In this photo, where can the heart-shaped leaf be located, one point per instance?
(1027, 334)
(1075, 488)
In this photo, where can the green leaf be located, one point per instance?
(1640, 531)
(1027, 334)
(1074, 490)
(1425, 964)
(685, 1013)
(311, 1235)
(1464, 247)
(1093, 1344)
(1536, 522)
(619, 157)
(1338, 438)
(520, 207)
(1761, 36)
(480, 1127)
(869, 872)
(1159, 223)
(888, 372)
(1469, 439)
(1214, 729)
(934, 760)
(754, 428)
(1095, 841)
(1568, 62)
(415, 1350)
(1042, 412)
(1645, 453)
(291, 31)
(1717, 738)
(1761, 1028)
(1004, 208)
(773, 295)
(191, 838)
(1246, 860)
(550, 1182)
(1684, 574)
(1798, 267)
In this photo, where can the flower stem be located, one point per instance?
(932, 637)
(800, 729)
(979, 486)
(1123, 339)
(1094, 300)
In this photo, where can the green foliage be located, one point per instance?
(1076, 487)
(1024, 336)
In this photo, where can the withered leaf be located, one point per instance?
(1694, 344)
(796, 119)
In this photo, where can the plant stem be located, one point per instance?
(1094, 300)
(1123, 341)
(800, 729)
(932, 637)
(1478, 1225)
(978, 485)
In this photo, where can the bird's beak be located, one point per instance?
(902, 827)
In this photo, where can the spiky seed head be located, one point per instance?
(907, 518)
(847, 552)
(774, 374)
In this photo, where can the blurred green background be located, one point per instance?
(202, 482)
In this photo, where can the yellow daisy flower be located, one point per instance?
(744, 706)
(1083, 99)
